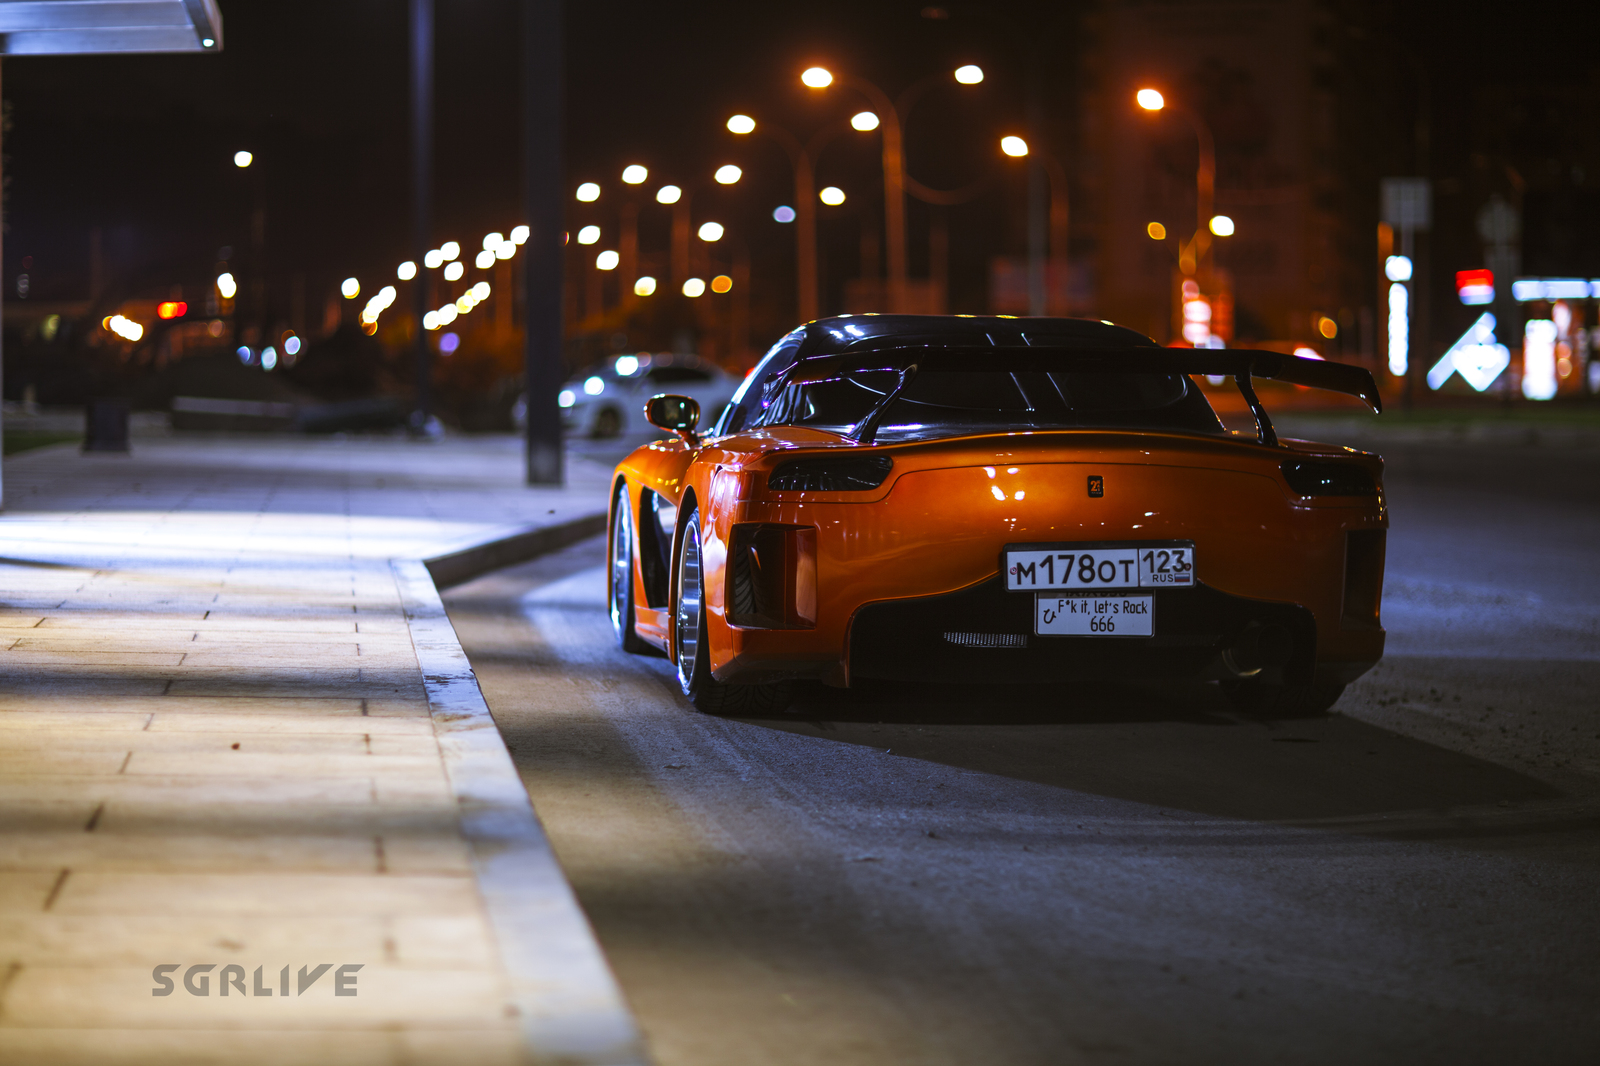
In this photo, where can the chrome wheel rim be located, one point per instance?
(621, 564)
(687, 622)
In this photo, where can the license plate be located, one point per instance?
(1165, 564)
(1086, 614)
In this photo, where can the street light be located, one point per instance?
(741, 124)
(668, 194)
(833, 196)
(588, 193)
(634, 174)
(1222, 225)
(1192, 257)
(889, 116)
(728, 175)
(1015, 147)
(711, 232)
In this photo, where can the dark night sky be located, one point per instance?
(141, 146)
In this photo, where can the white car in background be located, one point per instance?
(610, 400)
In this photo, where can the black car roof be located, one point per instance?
(846, 333)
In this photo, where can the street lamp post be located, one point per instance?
(894, 174)
(1056, 206)
(892, 116)
(421, 191)
(803, 157)
(1193, 258)
(543, 78)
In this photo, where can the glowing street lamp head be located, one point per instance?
(406, 271)
(694, 288)
(634, 174)
(1015, 147)
(589, 235)
(351, 288)
(1222, 225)
(833, 196)
(668, 194)
(816, 78)
(1150, 100)
(971, 74)
(519, 234)
(741, 124)
(1157, 231)
(607, 260)
(434, 259)
(645, 286)
(243, 159)
(711, 231)
(588, 192)
(864, 121)
(727, 175)
(450, 250)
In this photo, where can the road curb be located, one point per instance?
(571, 1008)
(515, 545)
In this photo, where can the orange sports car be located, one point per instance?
(989, 500)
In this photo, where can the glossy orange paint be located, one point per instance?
(939, 521)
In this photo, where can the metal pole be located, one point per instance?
(2, 357)
(421, 192)
(543, 79)
(894, 205)
(805, 218)
(1038, 190)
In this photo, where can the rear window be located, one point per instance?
(945, 403)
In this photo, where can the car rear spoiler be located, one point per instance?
(1241, 364)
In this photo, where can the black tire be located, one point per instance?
(690, 646)
(1261, 700)
(607, 423)
(619, 572)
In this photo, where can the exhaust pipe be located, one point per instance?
(1258, 648)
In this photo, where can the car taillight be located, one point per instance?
(855, 473)
(772, 576)
(1309, 478)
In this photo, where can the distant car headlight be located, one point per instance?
(1329, 479)
(827, 474)
(594, 386)
(567, 398)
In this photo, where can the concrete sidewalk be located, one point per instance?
(238, 739)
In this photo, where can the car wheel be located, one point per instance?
(607, 423)
(620, 599)
(691, 647)
(1261, 700)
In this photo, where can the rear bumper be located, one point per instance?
(943, 638)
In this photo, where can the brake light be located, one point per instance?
(1328, 479)
(853, 473)
(171, 309)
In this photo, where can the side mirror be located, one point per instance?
(680, 414)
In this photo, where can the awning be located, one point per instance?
(90, 27)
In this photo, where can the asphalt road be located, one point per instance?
(1118, 875)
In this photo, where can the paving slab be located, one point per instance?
(253, 807)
